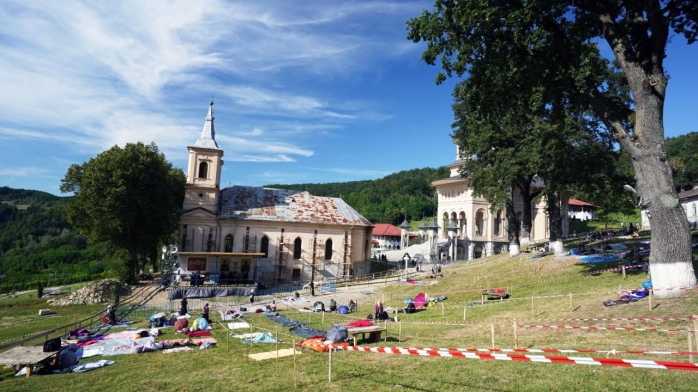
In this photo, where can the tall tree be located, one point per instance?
(130, 197)
(547, 49)
(499, 159)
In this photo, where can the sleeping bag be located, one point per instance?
(180, 324)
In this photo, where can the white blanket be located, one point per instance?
(238, 325)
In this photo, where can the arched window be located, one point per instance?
(498, 223)
(228, 247)
(328, 249)
(203, 170)
(264, 247)
(297, 248)
(479, 222)
(477, 252)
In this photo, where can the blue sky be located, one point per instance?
(309, 91)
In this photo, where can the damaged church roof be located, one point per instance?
(282, 205)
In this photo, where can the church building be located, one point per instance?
(478, 231)
(269, 236)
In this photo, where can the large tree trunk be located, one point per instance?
(554, 222)
(512, 229)
(526, 221)
(670, 258)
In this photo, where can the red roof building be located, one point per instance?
(387, 236)
(581, 210)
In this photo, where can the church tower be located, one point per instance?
(204, 169)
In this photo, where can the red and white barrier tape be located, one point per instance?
(564, 351)
(464, 323)
(598, 328)
(532, 358)
(624, 319)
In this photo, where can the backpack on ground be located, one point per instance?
(410, 308)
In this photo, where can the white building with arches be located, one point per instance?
(270, 236)
(480, 231)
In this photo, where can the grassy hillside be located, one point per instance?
(546, 291)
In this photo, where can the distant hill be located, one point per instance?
(24, 196)
(38, 243)
(387, 199)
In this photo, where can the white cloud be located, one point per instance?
(89, 75)
(26, 171)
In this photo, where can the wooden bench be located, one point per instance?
(355, 331)
(26, 356)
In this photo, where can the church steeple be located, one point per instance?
(208, 135)
(204, 169)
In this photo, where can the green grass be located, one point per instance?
(226, 368)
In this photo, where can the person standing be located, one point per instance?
(205, 315)
(312, 288)
(378, 310)
(252, 297)
(111, 314)
(183, 309)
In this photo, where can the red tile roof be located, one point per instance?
(386, 229)
(579, 203)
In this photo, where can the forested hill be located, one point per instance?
(37, 242)
(23, 196)
(385, 200)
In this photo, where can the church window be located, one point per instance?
(203, 170)
(264, 247)
(328, 249)
(228, 243)
(297, 248)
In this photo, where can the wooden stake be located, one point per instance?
(516, 336)
(623, 269)
(492, 329)
(442, 309)
(695, 328)
(570, 302)
(277, 344)
(532, 312)
(385, 338)
(465, 310)
(329, 373)
(295, 382)
(323, 318)
(650, 299)
(399, 334)
(690, 346)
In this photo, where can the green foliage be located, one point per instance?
(130, 198)
(683, 151)
(388, 199)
